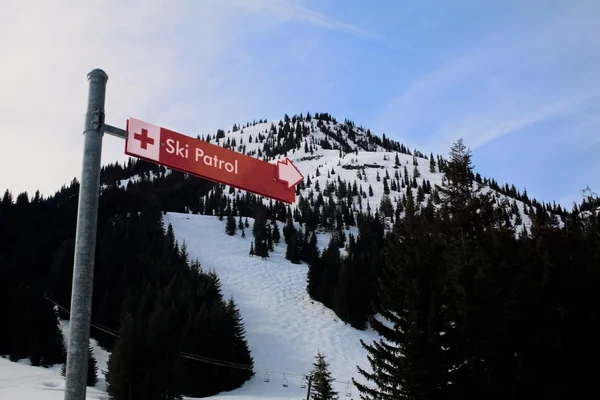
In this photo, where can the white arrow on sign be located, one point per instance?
(288, 173)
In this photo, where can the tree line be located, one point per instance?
(155, 302)
(469, 308)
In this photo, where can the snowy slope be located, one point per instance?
(285, 329)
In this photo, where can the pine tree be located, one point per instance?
(288, 229)
(163, 368)
(122, 371)
(269, 234)
(431, 164)
(291, 252)
(322, 388)
(386, 188)
(92, 369)
(409, 361)
(261, 235)
(458, 193)
(35, 330)
(472, 229)
(230, 226)
(314, 274)
(184, 256)
(240, 351)
(330, 263)
(276, 234)
(420, 195)
(261, 248)
(386, 207)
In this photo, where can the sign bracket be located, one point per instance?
(114, 131)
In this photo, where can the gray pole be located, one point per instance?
(85, 240)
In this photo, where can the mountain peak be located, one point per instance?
(340, 157)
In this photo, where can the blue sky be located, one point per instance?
(519, 81)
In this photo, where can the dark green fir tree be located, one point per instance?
(322, 381)
(409, 361)
(92, 369)
(230, 225)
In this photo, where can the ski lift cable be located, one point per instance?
(98, 325)
(208, 360)
(195, 357)
(204, 358)
(214, 359)
(222, 364)
(217, 361)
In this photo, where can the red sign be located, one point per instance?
(197, 157)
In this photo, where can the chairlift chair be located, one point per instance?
(267, 376)
(303, 382)
(348, 393)
(285, 381)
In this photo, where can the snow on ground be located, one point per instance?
(285, 329)
(20, 380)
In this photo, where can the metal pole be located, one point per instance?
(85, 240)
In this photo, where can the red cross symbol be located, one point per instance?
(144, 138)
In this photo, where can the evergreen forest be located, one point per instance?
(147, 293)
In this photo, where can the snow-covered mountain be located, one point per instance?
(328, 153)
(342, 163)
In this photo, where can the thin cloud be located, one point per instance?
(287, 10)
(478, 131)
(322, 20)
(47, 50)
(508, 81)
